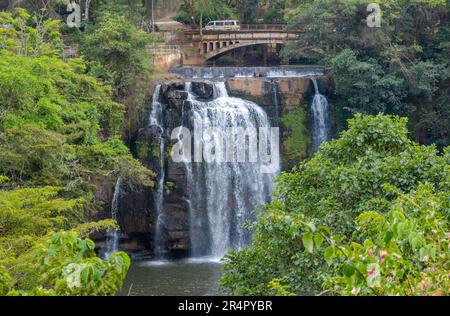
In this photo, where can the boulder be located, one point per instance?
(203, 90)
(173, 94)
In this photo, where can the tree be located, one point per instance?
(117, 51)
(59, 134)
(37, 258)
(318, 203)
(203, 10)
(399, 66)
(66, 112)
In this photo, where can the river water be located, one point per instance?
(188, 277)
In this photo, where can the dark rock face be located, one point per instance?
(203, 90)
(137, 215)
(136, 211)
(173, 93)
(326, 85)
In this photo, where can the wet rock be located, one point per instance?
(176, 98)
(179, 240)
(176, 225)
(104, 188)
(203, 90)
(326, 85)
(136, 213)
(176, 172)
(173, 93)
(135, 243)
(147, 145)
(172, 84)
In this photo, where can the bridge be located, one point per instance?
(212, 44)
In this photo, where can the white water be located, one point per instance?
(221, 195)
(285, 73)
(320, 112)
(157, 119)
(275, 101)
(113, 235)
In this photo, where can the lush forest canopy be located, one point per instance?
(59, 133)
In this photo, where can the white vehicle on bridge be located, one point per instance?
(225, 25)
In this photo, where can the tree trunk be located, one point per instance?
(201, 24)
(87, 4)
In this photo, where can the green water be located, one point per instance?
(174, 278)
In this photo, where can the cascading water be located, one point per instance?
(157, 119)
(320, 113)
(113, 235)
(275, 101)
(222, 195)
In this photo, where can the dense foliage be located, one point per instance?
(368, 214)
(59, 135)
(402, 67)
(374, 205)
(247, 11)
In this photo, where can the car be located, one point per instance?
(224, 25)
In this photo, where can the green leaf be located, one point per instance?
(308, 242)
(329, 255)
(312, 227)
(318, 240)
(348, 269)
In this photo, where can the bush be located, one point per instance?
(317, 205)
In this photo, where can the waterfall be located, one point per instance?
(221, 90)
(223, 195)
(113, 235)
(275, 101)
(319, 109)
(157, 119)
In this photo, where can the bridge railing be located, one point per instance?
(263, 27)
(257, 28)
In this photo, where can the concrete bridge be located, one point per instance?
(212, 44)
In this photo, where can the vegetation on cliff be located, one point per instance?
(401, 67)
(59, 133)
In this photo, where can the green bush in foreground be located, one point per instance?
(59, 136)
(311, 238)
(67, 265)
(43, 249)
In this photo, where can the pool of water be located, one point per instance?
(188, 277)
